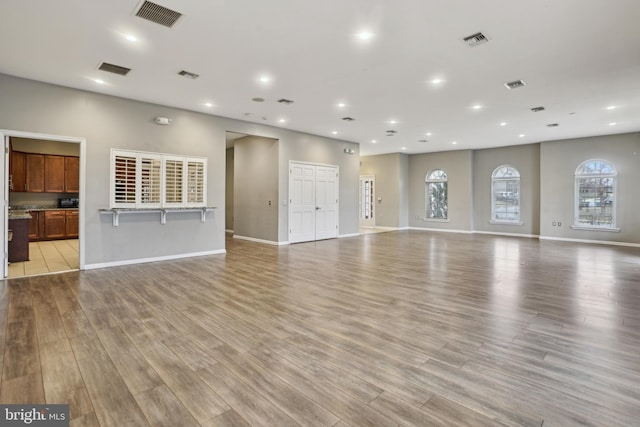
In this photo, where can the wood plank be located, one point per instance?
(163, 408)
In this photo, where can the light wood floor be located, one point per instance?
(400, 328)
(47, 257)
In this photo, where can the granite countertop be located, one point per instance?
(19, 214)
(40, 208)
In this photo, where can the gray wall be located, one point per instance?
(403, 201)
(559, 160)
(526, 159)
(458, 166)
(228, 194)
(255, 196)
(389, 182)
(109, 122)
(299, 147)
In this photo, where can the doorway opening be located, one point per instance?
(43, 198)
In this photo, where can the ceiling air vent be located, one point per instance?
(285, 101)
(537, 109)
(475, 39)
(391, 132)
(348, 119)
(115, 69)
(552, 125)
(189, 74)
(158, 14)
(514, 84)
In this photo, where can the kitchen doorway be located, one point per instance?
(43, 193)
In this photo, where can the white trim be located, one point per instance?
(443, 220)
(81, 195)
(599, 242)
(587, 228)
(496, 233)
(267, 242)
(153, 259)
(340, 236)
(444, 230)
(228, 231)
(494, 222)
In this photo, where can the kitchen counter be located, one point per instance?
(19, 214)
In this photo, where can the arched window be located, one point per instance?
(505, 195)
(436, 195)
(595, 195)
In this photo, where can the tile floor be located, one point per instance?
(47, 257)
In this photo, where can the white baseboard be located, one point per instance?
(598, 242)
(153, 259)
(228, 231)
(497, 233)
(348, 235)
(443, 230)
(267, 242)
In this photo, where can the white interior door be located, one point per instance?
(302, 203)
(313, 202)
(367, 201)
(326, 202)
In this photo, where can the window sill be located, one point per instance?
(116, 212)
(587, 228)
(506, 222)
(436, 219)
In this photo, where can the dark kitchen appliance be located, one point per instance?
(68, 202)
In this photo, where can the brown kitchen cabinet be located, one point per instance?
(71, 174)
(36, 226)
(71, 224)
(55, 224)
(34, 173)
(54, 174)
(17, 171)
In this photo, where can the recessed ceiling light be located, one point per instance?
(393, 122)
(131, 38)
(282, 121)
(477, 107)
(373, 141)
(404, 148)
(437, 81)
(208, 104)
(99, 81)
(428, 133)
(335, 132)
(364, 35)
(521, 135)
(264, 79)
(342, 105)
(612, 124)
(503, 124)
(611, 107)
(454, 142)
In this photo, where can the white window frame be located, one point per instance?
(494, 178)
(576, 209)
(430, 179)
(140, 202)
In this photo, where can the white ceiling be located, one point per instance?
(577, 57)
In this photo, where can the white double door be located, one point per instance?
(313, 202)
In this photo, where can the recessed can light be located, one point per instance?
(131, 38)
(503, 124)
(364, 35)
(264, 79)
(335, 132)
(373, 141)
(282, 121)
(612, 124)
(521, 135)
(404, 148)
(611, 107)
(99, 81)
(208, 104)
(342, 105)
(436, 81)
(393, 122)
(477, 107)
(454, 142)
(428, 133)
